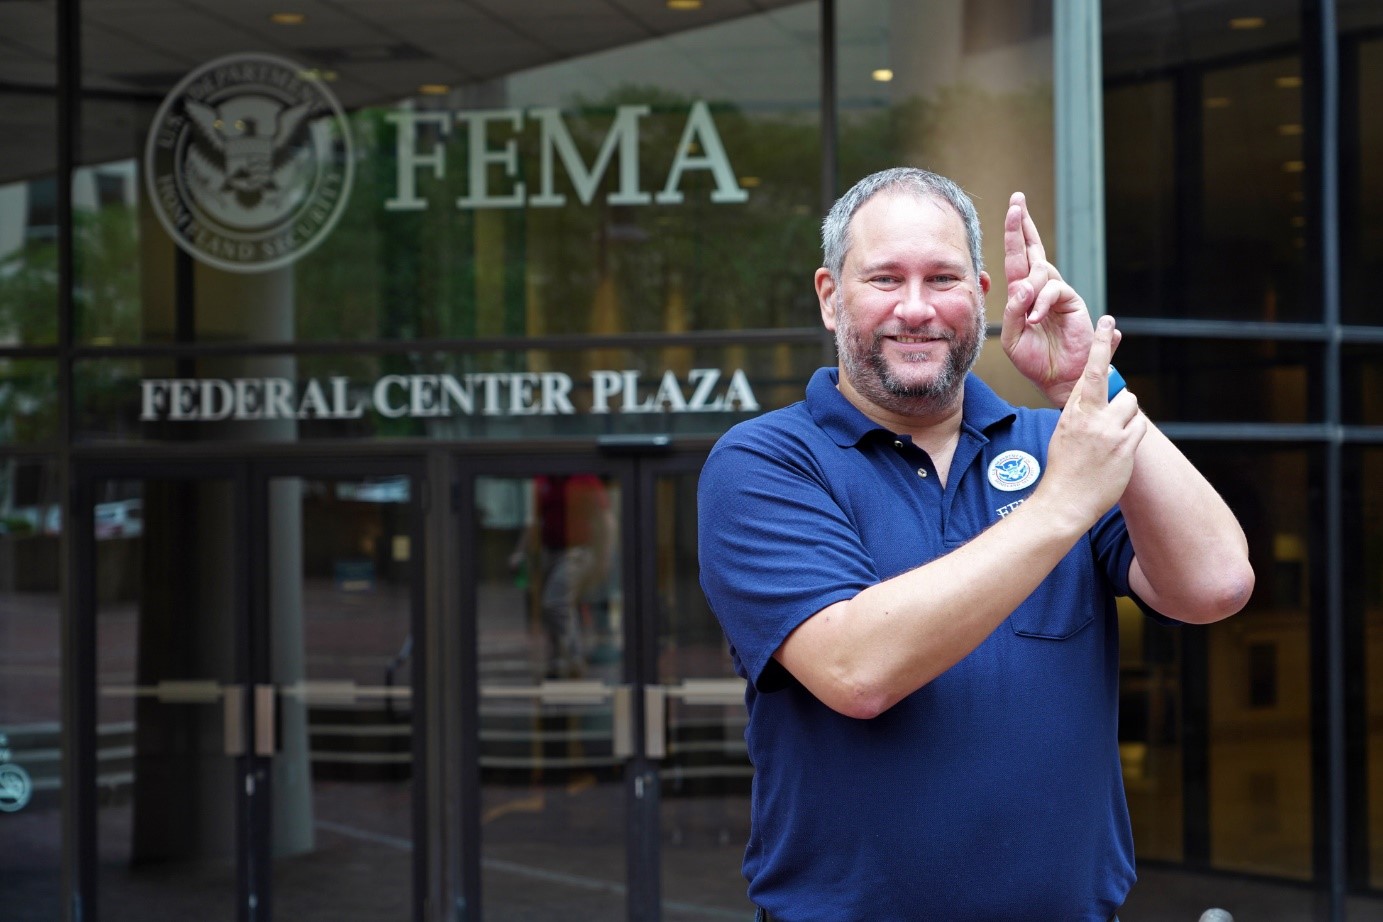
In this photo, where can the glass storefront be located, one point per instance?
(468, 248)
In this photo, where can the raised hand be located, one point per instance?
(1046, 330)
(1091, 454)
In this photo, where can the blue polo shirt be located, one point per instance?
(993, 793)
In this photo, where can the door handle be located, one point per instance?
(196, 691)
(328, 692)
(233, 718)
(722, 692)
(655, 721)
(577, 692)
(266, 730)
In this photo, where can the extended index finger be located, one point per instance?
(1094, 383)
(1016, 262)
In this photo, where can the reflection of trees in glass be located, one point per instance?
(106, 307)
(29, 293)
(578, 268)
(106, 263)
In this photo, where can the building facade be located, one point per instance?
(358, 358)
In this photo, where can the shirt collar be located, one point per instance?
(846, 425)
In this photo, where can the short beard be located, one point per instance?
(872, 378)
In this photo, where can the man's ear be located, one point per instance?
(984, 282)
(826, 296)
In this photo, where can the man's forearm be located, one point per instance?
(1191, 557)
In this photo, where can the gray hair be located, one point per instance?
(835, 229)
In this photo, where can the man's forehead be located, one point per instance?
(889, 199)
(885, 248)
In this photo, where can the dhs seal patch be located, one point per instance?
(1013, 470)
(248, 162)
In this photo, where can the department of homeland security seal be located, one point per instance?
(248, 162)
(1014, 470)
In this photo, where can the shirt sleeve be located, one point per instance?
(775, 548)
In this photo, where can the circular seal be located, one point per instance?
(16, 787)
(248, 162)
(1013, 470)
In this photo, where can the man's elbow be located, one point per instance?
(860, 695)
(1223, 594)
(861, 707)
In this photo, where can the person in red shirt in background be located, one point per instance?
(574, 528)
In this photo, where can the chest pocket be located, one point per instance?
(1066, 601)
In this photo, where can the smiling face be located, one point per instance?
(907, 309)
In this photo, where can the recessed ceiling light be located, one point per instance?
(434, 89)
(883, 75)
(1217, 102)
(1247, 22)
(1294, 166)
(1289, 131)
(684, 4)
(287, 19)
(1288, 83)
(750, 182)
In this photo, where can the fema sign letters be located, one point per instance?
(491, 141)
(423, 396)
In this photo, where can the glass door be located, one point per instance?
(608, 724)
(249, 751)
(553, 729)
(694, 707)
(170, 777)
(335, 709)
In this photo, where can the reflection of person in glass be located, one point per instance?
(918, 579)
(575, 532)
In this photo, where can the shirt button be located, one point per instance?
(921, 472)
(897, 443)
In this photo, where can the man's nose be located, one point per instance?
(915, 305)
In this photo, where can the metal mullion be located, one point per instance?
(76, 602)
(254, 805)
(643, 852)
(1334, 678)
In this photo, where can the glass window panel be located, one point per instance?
(28, 184)
(1363, 597)
(668, 184)
(976, 106)
(28, 401)
(106, 254)
(30, 690)
(1206, 202)
(1151, 732)
(1220, 380)
(1361, 176)
(1362, 388)
(1140, 200)
(1259, 785)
